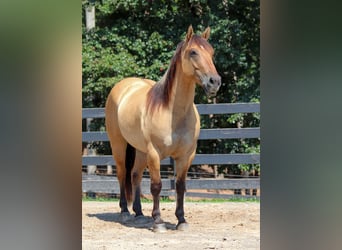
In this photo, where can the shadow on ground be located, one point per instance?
(130, 220)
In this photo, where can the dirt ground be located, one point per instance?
(228, 225)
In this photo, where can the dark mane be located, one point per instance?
(160, 93)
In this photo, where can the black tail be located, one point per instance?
(129, 163)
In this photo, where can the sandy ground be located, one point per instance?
(229, 225)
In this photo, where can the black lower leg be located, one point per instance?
(137, 203)
(155, 191)
(180, 189)
(123, 200)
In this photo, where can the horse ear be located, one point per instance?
(189, 33)
(206, 33)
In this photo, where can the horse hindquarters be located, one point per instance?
(129, 173)
(122, 153)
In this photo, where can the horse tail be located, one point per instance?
(129, 163)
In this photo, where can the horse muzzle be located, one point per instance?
(211, 85)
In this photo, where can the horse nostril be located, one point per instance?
(215, 80)
(218, 81)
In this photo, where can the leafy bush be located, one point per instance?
(138, 38)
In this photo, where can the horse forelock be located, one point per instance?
(200, 41)
(160, 93)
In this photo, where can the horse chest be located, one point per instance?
(176, 140)
(172, 136)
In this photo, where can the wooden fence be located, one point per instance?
(109, 184)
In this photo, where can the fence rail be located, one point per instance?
(205, 134)
(203, 109)
(210, 159)
(109, 184)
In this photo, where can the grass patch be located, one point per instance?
(220, 200)
(110, 199)
(102, 199)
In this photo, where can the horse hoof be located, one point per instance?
(125, 216)
(182, 226)
(159, 228)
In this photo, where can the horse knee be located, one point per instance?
(180, 186)
(156, 188)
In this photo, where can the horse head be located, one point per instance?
(197, 61)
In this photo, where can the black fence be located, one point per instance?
(108, 183)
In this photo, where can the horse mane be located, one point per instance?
(160, 93)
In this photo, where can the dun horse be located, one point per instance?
(148, 121)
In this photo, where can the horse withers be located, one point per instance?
(148, 121)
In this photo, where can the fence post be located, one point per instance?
(109, 169)
(90, 17)
(174, 168)
(91, 169)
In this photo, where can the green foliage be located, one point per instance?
(138, 38)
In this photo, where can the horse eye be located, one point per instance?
(193, 52)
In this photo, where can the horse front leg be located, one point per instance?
(153, 161)
(180, 190)
(159, 225)
(182, 166)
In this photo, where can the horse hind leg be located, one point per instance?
(119, 157)
(122, 152)
(137, 173)
(124, 158)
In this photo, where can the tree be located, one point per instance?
(138, 38)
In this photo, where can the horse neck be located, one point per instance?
(183, 94)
